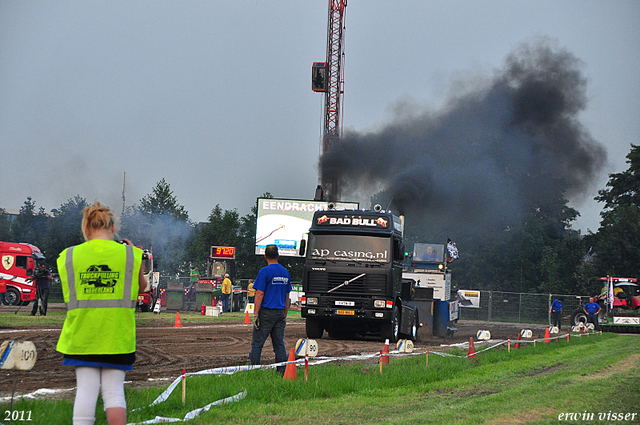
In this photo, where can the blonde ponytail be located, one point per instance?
(97, 216)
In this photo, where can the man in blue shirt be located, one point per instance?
(556, 312)
(592, 309)
(272, 286)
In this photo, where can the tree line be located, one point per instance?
(541, 253)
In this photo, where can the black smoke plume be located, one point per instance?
(492, 154)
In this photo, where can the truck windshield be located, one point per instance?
(349, 248)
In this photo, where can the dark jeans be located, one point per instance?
(272, 322)
(43, 295)
(556, 319)
(593, 318)
(225, 302)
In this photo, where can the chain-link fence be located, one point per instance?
(518, 307)
(494, 305)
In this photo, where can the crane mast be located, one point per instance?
(327, 77)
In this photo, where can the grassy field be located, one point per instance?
(585, 379)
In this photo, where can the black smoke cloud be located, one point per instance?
(490, 155)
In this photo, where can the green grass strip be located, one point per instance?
(532, 385)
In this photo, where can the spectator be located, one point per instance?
(272, 286)
(226, 292)
(194, 276)
(100, 281)
(252, 292)
(592, 309)
(43, 277)
(556, 312)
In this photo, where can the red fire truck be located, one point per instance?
(19, 262)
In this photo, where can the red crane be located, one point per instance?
(327, 77)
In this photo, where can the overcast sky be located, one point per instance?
(215, 97)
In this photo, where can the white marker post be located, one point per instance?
(19, 356)
(306, 347)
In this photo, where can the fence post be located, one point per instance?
(520, 308)
(490, 303)
(549, 310)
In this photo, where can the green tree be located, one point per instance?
(220, 229)
(162, 202)
(160, 224)
(30, 226)
(5, 226)
(617, 242)
(65, 227)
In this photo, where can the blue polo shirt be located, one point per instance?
(556, 305)
(591, 308)
(275, 281)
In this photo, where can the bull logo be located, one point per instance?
(323, 219)
(382, 222)
(7, 261)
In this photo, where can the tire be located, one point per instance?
(314, 328)
(145, 308)
(237, 303)
(391, 330)
(578, 317)
(12, 297)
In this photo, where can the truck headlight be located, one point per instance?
(378, 303)
(311, 311)
(312, 301)
(379, 315)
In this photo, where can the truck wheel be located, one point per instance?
(578, 317)
(391, 330)
(237, 303)
(12, 297)
(314, 328)
(145, 308)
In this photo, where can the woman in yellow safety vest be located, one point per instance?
(101, 279)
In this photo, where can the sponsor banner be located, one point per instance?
(468, 298)
(626, 320)
(285, 222)
(440, 282)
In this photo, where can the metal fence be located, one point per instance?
(495, 306)
(518, 307)
(55, 291)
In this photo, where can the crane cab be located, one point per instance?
(319, 77)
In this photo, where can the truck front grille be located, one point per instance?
(322, 282)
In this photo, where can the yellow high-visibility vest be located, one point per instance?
(100, 288)
(226, 286)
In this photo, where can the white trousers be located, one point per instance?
(92, 381)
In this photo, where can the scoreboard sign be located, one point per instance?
(223, 252)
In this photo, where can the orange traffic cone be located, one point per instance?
(290, 371)
(385, 352)
(246, 318)
(517, 346)
(472, 348)
(178, 324)
(546, 335)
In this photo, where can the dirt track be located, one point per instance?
(163, 351)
